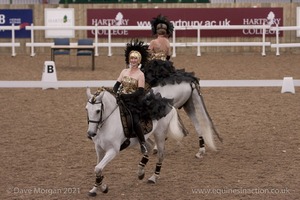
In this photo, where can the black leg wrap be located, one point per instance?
(144, 160)
(99, 180)
(157, 169)
(201, 142)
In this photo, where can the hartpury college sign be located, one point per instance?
(187, 17)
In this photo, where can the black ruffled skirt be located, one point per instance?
(155, 106)
(159, 72)
(149, 106)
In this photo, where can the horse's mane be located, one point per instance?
(101, 89)
(110, 90)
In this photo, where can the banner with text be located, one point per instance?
(18, 17)
(187, 17)
(59, 17)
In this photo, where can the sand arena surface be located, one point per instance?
(45, 153)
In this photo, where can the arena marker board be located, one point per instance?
(49, 75)
(288, 85)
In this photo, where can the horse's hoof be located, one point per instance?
(199, 155)
(92, 194)
(151, 181)
(141, 172)
(104, 188)
(141, 177)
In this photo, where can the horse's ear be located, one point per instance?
(88, 93)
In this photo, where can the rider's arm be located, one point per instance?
(118, 83)
(116, 86)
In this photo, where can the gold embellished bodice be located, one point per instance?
(159, 56)
(129, 85)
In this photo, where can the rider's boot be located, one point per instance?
(139, 133)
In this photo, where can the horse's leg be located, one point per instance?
(100, 153)
(160, 142)
(141, 166)
(109, 155)
(195, 107)
(190, 110)
(155, 148)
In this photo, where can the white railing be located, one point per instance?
(174, 44)
(263, 43)
(109, 44)
(282, 45)
(13, 44)
(110, 83)
(26, 2)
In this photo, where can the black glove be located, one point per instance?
(116, 87)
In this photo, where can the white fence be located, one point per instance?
(174, 44)
(109, 44)
(110, 83)
(13, 44)
(284, 45)
(263, 43)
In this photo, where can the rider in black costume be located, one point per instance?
(160, 70)
(130, 88)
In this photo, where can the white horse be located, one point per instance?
(188, 96)
(106, 130)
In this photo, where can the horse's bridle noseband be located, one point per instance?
(100, 122)
(101, 110)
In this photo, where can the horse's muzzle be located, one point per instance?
(91, 134)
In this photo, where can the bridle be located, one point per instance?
(101, 121)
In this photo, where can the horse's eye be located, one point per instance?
(98, 111)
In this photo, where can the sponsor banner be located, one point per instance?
(18, 17)
(187, 17)
(59, 17)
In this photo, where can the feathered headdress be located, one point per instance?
(136, 45)
(160, 19)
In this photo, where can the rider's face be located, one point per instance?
(134, 61)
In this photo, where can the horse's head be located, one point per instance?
(100, 106)
(94, 108)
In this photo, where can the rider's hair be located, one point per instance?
(135, 54)
(161, 29)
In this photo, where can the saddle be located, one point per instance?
(127, 123)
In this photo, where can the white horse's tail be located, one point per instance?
(176, 129)
(207, 126)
